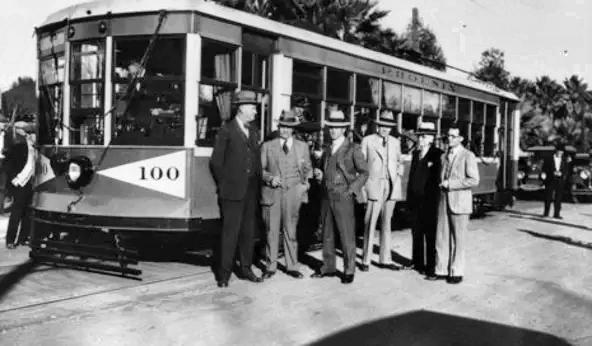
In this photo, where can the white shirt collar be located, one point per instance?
(289, 141)
(241, 124)
(337, 143)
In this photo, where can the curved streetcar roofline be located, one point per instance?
(94, 9)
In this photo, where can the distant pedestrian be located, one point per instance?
(555, 172)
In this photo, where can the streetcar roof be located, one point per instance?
(103, 7)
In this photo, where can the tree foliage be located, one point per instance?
(352, 21)
(492, 68)
(20, 97)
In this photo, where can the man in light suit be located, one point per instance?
(236, 168)
(382, 153)
(286, 169)
(343, 175)
(458, 176)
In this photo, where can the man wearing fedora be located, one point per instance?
(423, 194)
(20, 175)
(236, 168)
(343, 173)
(459, 174)
(286, 171)
(382, 153)
(555, 172)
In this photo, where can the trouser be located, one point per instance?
(450, 240)
(425, 223)
(238, 230)
(554, 194)
(374, 209)
(20, 214)
(282, 213)
(337, 213)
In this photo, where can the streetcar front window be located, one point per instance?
(51, 77)
(86, 89)
(217, 87)
(150, 112)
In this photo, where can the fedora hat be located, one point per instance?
(426, 129)
(337, 118)
(245, 97)
(386, 118)
(288, 119)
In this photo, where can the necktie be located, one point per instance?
(285, 147)
(384, 142)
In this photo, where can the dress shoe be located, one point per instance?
(364, 267)
(454, 279)
(250, 276)
(223, 283)
(318, 275)
(295, 274)
(435, 277)
(390, 266)
(558, 217)
(268, 274)
(347, 279)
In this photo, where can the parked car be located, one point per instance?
(581, 177)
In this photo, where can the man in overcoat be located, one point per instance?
(423, 195)
(382, 153)
(555, 172)
(236, 168)
(20, 164)
(286, 170)
(343, 173)
(459, 174)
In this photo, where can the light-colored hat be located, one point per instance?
(25, 126)
(288, 119)
(337, 118)
(387, 118)
(426, 129)
(245, 97)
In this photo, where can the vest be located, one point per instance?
(334, 179)
(289, 167)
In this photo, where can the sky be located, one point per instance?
(538, 36)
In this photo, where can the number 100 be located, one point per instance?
(157, 173)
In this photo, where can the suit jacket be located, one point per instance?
(376, 157)
(270, 161)
(15, 161)
(351, 163)
(233, 159)
(549, 168)
(424, 176)
(463, 176)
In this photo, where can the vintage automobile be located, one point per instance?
(581, 178)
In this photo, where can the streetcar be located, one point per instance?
(131, 94)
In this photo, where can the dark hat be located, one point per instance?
(289, 119)
(387, 118)
(245, 97)
(337, 118)
(559, 146)
(426, 129)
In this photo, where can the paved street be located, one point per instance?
(528, 283)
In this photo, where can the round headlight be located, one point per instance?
(520, 175)
(584, 174)
(80, 172)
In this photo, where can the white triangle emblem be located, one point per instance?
(44, 171)
(165, 173)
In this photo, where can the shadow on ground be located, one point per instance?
(565, 240)
(432, 328)
(538, 217)
(10, 279)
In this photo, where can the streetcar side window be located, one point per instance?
(155, 104)
(490, 128)
(86, 87)
(392, 98)
(448, 117)
(216, 89)
(477, 127)
(307, 88)
(412, 104)
(366, 104)
(338, 91)
(464, 119)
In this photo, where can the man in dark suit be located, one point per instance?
(20, 175)
(555, 172)
(236, 167)
(343, 175)
(423, 197)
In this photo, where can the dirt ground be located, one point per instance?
(528, 283)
